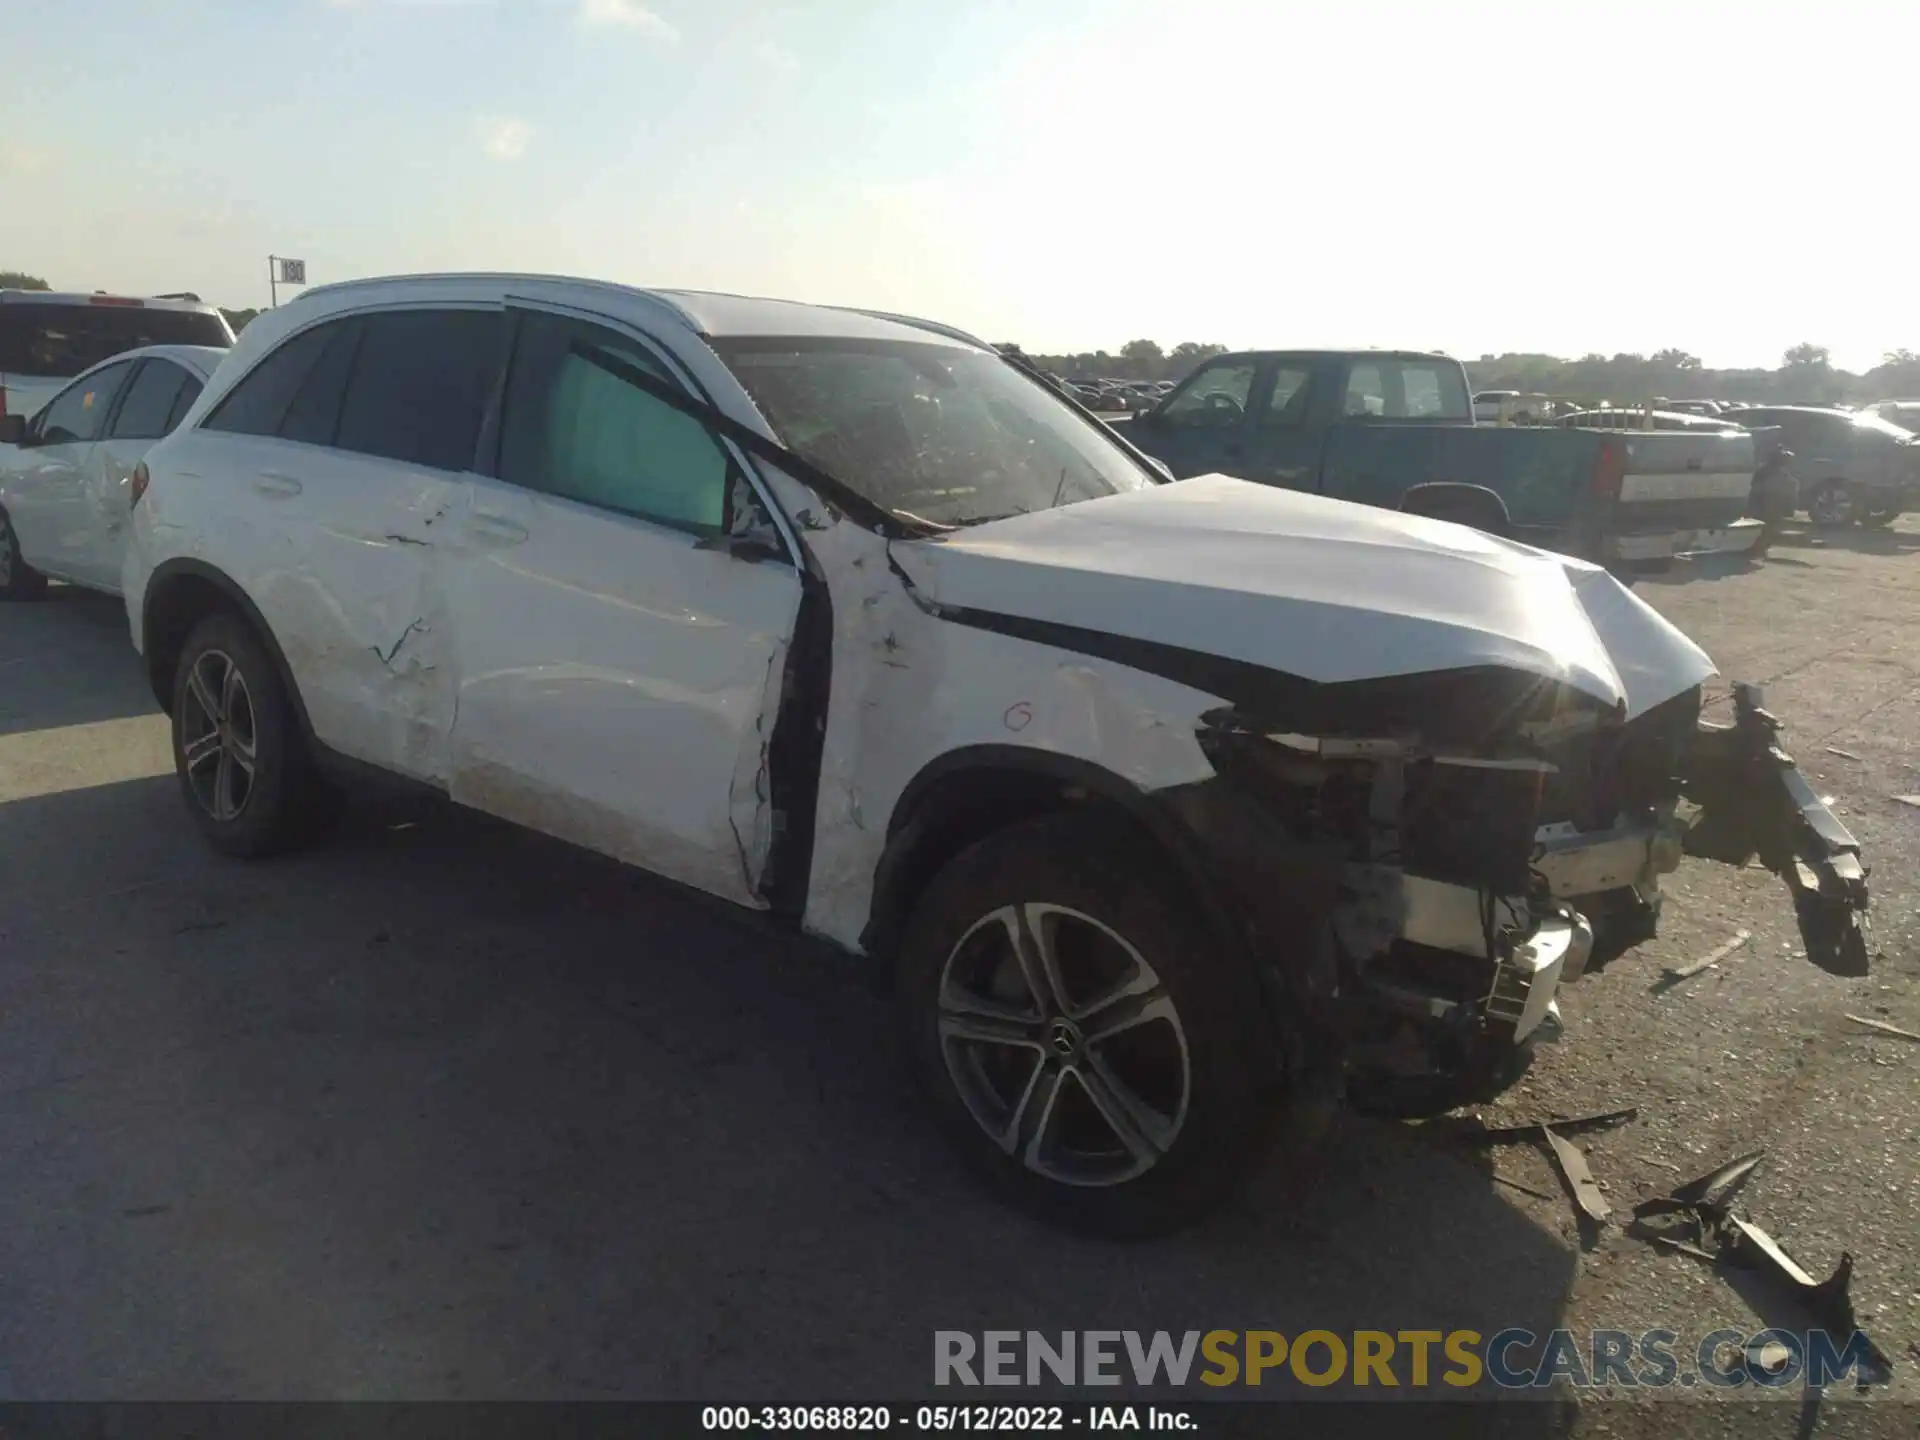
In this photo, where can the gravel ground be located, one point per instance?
(446, 1110)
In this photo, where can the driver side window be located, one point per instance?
(1214, 398)
(78, 412)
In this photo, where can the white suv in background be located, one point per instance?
(1155, 800)
(47, 338)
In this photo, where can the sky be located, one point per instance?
(1466, 175)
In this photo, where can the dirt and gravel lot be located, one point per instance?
(446, 1110)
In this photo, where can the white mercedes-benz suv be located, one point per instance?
(1159, 803)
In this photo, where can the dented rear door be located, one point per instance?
(349, 446)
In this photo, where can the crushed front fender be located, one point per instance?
(1754, 801)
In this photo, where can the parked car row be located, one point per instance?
(1157, 804)
(47, 338)
(1118, 394)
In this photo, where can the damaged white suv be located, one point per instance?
(1159, 803)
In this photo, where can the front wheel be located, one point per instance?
(1080, 1041)
(1833, 506)
(18, 580)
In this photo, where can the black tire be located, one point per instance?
(18, 580)
(1494, 1068)
(1879, 519)
(1833, 505)
(1219, 1051)
(280, 802)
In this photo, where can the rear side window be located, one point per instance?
(55, 342)
(79, 412)
(575, 425)
(258, 404)
(150, 401)
(1389, 389)
(419, 386)
(183, 402)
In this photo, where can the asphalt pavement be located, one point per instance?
(447, 1110)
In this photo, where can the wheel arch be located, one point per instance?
(179, 594)
(966, 795)
(1463, 504)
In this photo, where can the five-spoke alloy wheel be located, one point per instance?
(1083, 1040)
(1064, 1044)
(220, 745)
(237, 744)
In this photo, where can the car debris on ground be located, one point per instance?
(1704, 963)
(1709, 1230)
(1884, 1028)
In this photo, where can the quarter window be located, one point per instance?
(313, 414)
(576, 425)
(183, 402)
(258, 404)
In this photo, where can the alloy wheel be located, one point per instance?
(1833, 505)
(219, 743)
(1064, 1045)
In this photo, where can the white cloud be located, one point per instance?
(775, 56)
(503, 137)
(623, 15)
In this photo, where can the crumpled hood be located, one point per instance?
(1315, 588)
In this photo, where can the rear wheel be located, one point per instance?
(236, 744)
(18, 580)
(1080, 1042)
(1833, 505)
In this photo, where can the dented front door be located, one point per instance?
(619, 666)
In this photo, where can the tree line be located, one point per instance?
(1806, 374)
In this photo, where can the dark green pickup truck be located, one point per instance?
(1395, 429)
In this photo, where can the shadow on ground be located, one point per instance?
(66, 660)
(449, 1110)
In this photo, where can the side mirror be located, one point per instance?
(13, 429)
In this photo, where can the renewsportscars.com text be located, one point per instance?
(1510, 1359)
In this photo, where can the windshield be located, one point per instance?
(929, 432)
(56, 342)
(1882, 425)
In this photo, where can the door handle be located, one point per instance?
(276, 485)
(496, 529)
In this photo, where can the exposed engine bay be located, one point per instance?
(1469, 884)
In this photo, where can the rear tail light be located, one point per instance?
(138, 485)
(1609, 470)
